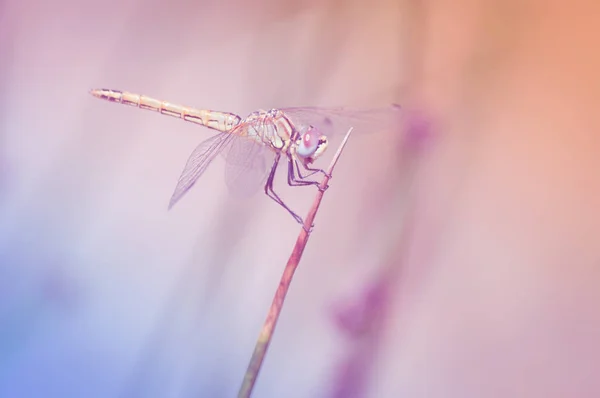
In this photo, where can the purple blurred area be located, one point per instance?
(456, 256)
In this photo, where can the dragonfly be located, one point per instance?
(254, 146)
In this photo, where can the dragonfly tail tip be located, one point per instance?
(95, 92)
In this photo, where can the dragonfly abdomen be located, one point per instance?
(220, 121)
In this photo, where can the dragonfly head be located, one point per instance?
(310, 145)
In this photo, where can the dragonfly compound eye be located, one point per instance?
(309, 142)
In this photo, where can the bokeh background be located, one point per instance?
(456, 256)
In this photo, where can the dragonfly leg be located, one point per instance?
(300, 174)
(311, 170)
(293, 181)
(271, 193)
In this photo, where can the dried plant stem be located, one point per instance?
(264, 339)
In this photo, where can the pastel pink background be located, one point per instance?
(467, 266)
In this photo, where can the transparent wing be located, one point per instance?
(198, 162)
(336, 121)
(247, 166)
(247, 161)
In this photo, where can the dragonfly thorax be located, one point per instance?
(270, 128)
